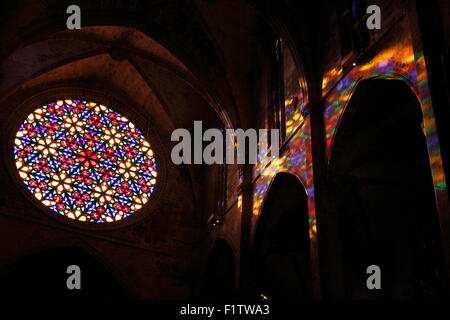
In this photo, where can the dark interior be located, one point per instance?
(282, 263)
(385, 197)
(45, 274)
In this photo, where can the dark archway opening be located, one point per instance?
(384, 195)
(281, 263)
(220, 273)
(44, 275)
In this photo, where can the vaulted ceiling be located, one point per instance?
(174, 61)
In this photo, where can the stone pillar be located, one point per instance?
(246, 189)
(429, 45)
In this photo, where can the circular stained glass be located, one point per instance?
(85, 161)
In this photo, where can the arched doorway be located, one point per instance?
(44, 275)
(220, 274)
(384, 195)
(281, 254)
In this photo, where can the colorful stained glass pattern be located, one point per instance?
(85, 161)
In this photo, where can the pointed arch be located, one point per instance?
(281, 259)
(383, 192)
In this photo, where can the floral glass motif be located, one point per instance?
(85, 161)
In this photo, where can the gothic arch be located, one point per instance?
(281, 258)
(42, 272)
(382, 190)
(220, 276)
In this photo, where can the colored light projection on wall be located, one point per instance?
(396, 62)
(293, 108)
(434, 151)
(330, 78)
(297, 160)
(295, 90)
(85, 161)
(294, 104)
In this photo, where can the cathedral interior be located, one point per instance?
(87, 177)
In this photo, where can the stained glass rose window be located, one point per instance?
(85, 161)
